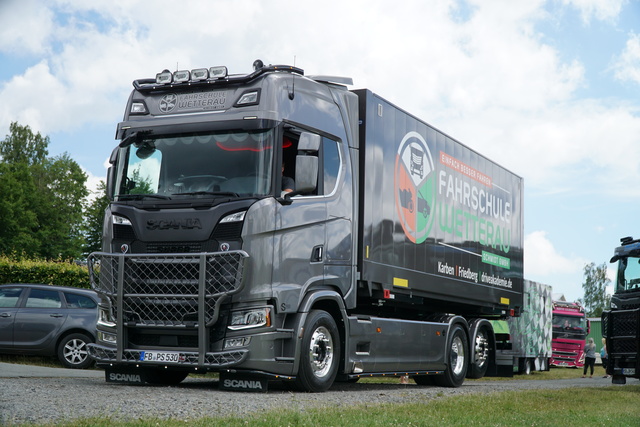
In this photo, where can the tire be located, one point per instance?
(424, 379)
(457, 359)
(163, 376)
(320, 353)
(527, 367)
(481, 352)
(72, 351)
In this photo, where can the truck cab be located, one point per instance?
(621, 324)
(569, 328)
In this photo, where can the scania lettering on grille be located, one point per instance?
(175, 224)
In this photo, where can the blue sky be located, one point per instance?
(549, 89)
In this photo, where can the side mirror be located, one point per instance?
(309, 142)
(306, 174)
(111, 174)
(306, 165)
(307, 162)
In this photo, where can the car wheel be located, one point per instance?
(72, 351)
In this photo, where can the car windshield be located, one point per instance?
(196, 164)
(569, 326)
(628, 274)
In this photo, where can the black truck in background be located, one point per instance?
(396, 248)
(621, 324)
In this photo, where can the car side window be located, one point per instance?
(41, 298)
(9, 297)
(79, 301)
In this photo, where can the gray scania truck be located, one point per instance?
(395, 248)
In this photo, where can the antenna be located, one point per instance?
(292, 94)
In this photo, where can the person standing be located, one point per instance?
(604, 356)
(589, 357)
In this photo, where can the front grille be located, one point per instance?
(166, 290)
(164, 340)
(123, 232)
(228, 231)
(173, 248)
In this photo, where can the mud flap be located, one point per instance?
(125, 376)
(235, 382)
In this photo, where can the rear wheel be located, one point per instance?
(457, 359)
(72, 351)
(319, 358)
(480, 356)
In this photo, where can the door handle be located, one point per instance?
(56, 315)
(5, 314)
(316, 253)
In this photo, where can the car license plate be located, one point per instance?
(628, 371)
(161, 356)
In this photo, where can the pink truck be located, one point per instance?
(570, 329)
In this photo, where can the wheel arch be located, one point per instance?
(331, 302)
(68, 332)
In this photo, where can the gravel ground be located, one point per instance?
(39, 395)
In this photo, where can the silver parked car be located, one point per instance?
(48, 321)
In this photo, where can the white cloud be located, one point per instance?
(627, 64)
(603, 10)
(17, 36)
(478, 70)
(542, 259)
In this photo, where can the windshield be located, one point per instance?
(196, 164)
(565, 326)
(628, 274)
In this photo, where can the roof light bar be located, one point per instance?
(199, 74)
(164, 77)
(181, 76)
(218, 72)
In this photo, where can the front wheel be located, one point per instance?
(320, 353)
(457, 359)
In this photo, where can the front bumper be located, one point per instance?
(213, 360)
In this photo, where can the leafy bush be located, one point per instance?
(61, 273)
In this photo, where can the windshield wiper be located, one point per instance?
(142, 196)
(208, 193)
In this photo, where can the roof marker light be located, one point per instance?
(218, 72)
(199, 74)
(164, 77)
(249, 98)
(138, 107)
(181, 76)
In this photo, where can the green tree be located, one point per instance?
(596, 299)
(41, 198)
(93, 220)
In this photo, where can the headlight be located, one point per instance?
(108, 338)
(253, 318)
(104, 318)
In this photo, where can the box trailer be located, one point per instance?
(523, 344)
(396, 247)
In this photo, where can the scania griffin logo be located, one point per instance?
(168, 102)
(174, 224)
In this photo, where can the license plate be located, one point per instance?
(628, 371)
(161, 356)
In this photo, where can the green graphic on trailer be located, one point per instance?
(414, 183)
